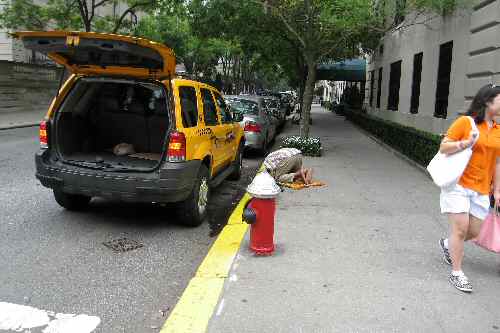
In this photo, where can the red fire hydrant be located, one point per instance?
(260, 212)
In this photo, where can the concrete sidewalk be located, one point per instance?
(359, 255)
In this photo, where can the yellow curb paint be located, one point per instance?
(195, 307)
(197, 304)
(220, 257)
(235, 217)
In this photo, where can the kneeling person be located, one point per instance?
(285, 166)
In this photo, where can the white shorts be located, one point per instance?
(458, 199)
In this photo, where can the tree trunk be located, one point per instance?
(308, 97)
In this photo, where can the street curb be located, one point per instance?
(393, 151)
(197, 304)
(19, 126)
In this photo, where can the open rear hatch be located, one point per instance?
(118, 102)
(113, 125)
(102, 54)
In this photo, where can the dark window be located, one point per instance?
(189, 106)
(443, 80)
(372, 83)
(415, 85)
(209, 109)
(379, 87)
(394, 83)
(224, 109)
(399, 16)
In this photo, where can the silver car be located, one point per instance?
(259, 125)
(277, 109)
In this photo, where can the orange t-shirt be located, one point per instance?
(478, 175)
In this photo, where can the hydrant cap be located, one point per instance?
(263, 186)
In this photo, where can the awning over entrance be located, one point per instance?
(353, 70)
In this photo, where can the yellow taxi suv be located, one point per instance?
(123, 127)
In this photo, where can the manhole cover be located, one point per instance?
(123, 245)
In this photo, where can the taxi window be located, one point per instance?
(189, 106)
(209, 110)
(224, 109)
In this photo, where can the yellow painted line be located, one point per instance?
(235, 217)
(195, 307)
(220, 257)
(197, 304)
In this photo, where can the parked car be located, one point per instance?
(288, 100)
(121, 127)
(277, 110)
(259, 126)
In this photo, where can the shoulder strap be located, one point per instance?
(474, 128)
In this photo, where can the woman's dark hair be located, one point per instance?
(477, 108)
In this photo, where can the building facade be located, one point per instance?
(423, 75)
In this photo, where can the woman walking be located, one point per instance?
(467, 203)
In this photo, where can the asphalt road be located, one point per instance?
(55, 260)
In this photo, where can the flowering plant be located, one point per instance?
(308, 146)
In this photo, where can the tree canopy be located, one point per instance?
(242, 45)
(87, 15)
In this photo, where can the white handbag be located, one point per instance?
(446, 170)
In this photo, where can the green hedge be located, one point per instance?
(308, 146)
(418, 145)
(328, 105)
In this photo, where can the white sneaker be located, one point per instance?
(461, 283)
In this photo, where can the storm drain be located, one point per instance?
(123, 245)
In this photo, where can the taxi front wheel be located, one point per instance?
(193, 210)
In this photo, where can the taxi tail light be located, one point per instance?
(44, 139)
(251, 126)
(176, 147)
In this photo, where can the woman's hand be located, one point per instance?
(451, 147)
(496, 183)
(496, 195)
(472, 138)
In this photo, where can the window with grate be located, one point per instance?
(372, 83)
(394, 83)
(415, 84)
(379, 87)
(400, 9)
(443, 80)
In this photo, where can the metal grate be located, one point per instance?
(123, 245)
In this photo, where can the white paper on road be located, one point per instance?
(21, 318)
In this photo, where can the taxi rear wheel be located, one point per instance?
(193, 210)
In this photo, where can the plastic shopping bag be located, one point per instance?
(489, 236)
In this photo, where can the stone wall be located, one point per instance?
(403, 44)
(483, 65)
(26, 87)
